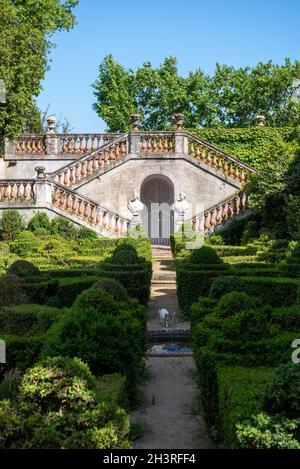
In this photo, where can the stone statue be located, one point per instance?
(181, 205)
(135, 206)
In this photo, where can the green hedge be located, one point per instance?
(135, 278)
(272, 290)
(228, 251)
(264, 352)
(193, 283)
(240, 395)
(251, 145)
(21, 351)
(27, 319)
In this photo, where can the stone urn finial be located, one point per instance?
(40, 172)
(178, 120)
(135, 121)
(51, 127)
(260, 120)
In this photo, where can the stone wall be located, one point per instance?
(115, 188)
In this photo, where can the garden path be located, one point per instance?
(169, 413)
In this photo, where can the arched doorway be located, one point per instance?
(157, 195)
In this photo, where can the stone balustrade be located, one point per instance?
(218, 160)
(102, 159)
(220, 213)
(88, 211)
(157, 142)
(27, 144)
(60, 144)
(83, 143)
(17, 190)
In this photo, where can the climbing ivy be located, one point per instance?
(253, 145)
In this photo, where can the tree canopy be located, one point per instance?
(26, 27)
(231, 97)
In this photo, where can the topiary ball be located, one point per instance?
(118, 292)
(23, 269)
(204, 255)
(125, 254)
(234, 302)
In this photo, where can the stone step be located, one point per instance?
(164, 276)
(163, 282)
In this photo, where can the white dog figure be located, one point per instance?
(164, 317)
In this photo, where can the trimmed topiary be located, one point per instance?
(205, 255)
(234, 302)
(11, 291)
(23, 269)
(125, 254)
(223, 285)
(118, 292)
(282, 393)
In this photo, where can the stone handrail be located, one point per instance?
(84, 143)
(220, 213)
(30, 144)
(157, 142)
(87, 210)
(61, 144)
(218, 159)
(101, 159)
(17, 190)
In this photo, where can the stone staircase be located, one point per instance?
(94, 155)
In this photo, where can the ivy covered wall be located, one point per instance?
(253, 145)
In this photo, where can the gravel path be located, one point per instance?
(170, 393)
(169, 421)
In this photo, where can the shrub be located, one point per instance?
(288, 317)
(234, 302)
(274, 291)
(204, 255)
(23, 269)
(118, 292)
(240, 395)
(201, 308)
(125, 254)
(27, 319)
(11, 224)
(193, 283)
(63, 227)
(40, 221)
(61, 408)
(25, 243)
(21, 351)
(135, 278)
(11, 291)
(266, 432)
(57, 384)
(222, 285)
(102, 333)
(86, 234)
(282, 393)
(214, 240)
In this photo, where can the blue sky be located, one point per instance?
(199, 33)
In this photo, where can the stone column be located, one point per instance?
(43, 188)
(181, 141)
(134, 135)
(52, 140)
(10, 147)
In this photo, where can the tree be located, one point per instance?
(231, 97)
(25, 29)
